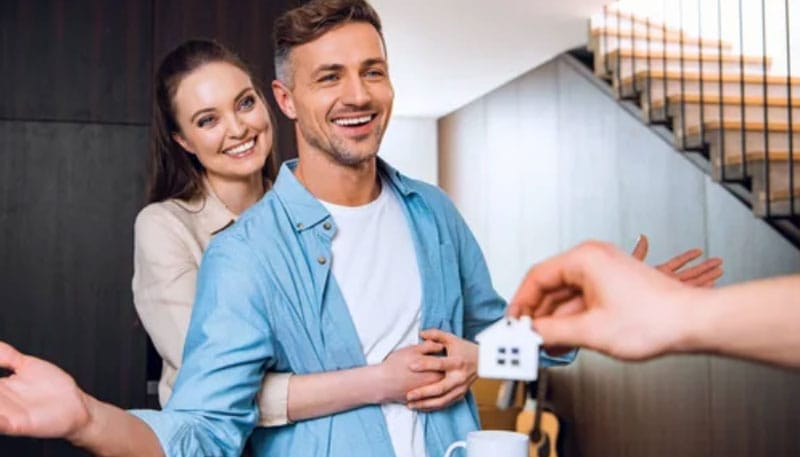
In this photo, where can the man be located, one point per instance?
(344, 261)
(618, 306)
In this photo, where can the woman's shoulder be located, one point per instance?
(169, 215)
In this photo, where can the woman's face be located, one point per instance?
(223, 121)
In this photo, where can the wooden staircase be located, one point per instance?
(728, 107)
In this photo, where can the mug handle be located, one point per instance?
(454, 446)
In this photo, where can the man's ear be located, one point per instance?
(182, 141)
(283, 96)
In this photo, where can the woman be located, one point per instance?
(210, 159)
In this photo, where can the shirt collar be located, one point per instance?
(212, 215)
(305, 210)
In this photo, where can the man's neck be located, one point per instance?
(335, 183)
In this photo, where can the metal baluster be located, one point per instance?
(721, 109)
(605, 39)
(791, 108)
(647, 80)
(766, 112)
(683, 80)
(634, 53)
(664, 61)
(619, 52)
(702, 80)
(741, 93)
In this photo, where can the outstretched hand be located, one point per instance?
(701, 275)
(39, 399)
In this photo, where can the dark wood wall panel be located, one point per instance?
(76, 60)
(69, 194)
(754, 410)
(245, 26)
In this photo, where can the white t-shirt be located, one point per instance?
(375, 266)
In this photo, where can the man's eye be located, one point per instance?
(328, 78)
(247, 102)
(374, 73)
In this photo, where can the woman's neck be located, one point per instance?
(237, 194)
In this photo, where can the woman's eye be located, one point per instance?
(247, 102)
(205, 121)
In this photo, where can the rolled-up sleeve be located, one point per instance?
(228, 347)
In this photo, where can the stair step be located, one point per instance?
(656, 36)
(753, 157)
(612, 19)
(778, 127)
(651, 87)
(655, 48)
(737, 138)
(710, 77)
(735, 100)
(778, 171)
(730, 108)
(780, 204)
(628, 62)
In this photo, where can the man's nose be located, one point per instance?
(356, 92)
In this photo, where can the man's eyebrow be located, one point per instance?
(328, 67)
(373, 61)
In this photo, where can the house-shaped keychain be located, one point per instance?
(509, 349)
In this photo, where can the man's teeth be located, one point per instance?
(241, 148)
(353, 121)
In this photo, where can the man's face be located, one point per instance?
(340, 93)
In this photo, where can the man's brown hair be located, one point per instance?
(308, 22)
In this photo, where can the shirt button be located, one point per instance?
(327, 226)
(300, 226)
(321, 260)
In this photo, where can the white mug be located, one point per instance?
(491, 443)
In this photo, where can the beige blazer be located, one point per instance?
(169, 240)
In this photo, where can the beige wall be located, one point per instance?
(549, 160)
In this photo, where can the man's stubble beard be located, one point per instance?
(338, 151)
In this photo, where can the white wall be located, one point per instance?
(549, 160)
(410, 145)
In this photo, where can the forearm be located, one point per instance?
(112, 432)
(322, 394)
(757, 320)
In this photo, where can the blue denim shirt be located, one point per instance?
(267, 301)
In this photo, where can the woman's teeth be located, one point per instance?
(244, 147)
(353, 121)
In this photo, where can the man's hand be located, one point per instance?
(460, 368)
(701, 275)
(39, 399)
(397, 378)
